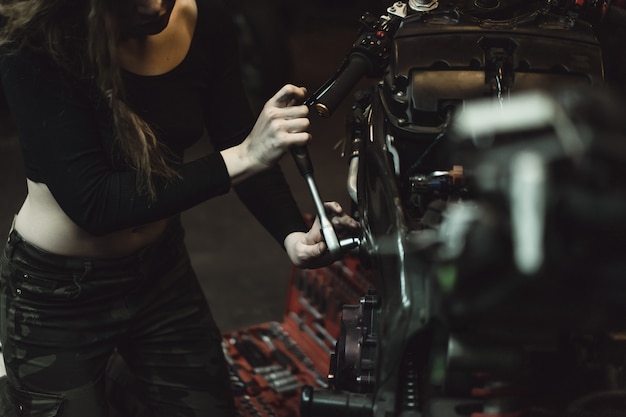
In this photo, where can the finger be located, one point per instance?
(313, 236)
(288, 95)
(340, 220)
(296, 139)
(333, 208)
(344, 223)
(308, 252)
(294, 125)
(293, 112)
(299, 99)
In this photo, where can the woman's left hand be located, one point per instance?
(308, 250)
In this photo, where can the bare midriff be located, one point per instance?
(42, 222)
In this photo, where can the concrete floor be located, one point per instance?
(244, 272)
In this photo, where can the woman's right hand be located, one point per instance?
(282, 123)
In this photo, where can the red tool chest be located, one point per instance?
(271, 362)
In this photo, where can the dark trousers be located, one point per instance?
(62, 320)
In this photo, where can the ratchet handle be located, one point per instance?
(303, 160)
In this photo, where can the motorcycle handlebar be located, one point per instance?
(369, 56)
(328, 99)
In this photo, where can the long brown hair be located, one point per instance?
(69, 30)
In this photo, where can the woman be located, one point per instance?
(106, 95)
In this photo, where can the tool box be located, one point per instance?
(271, 362)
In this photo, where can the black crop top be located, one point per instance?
(66, 134)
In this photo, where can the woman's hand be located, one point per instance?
(282, 124)
(308, 250)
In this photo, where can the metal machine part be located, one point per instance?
(335, 247)
(334, 404)
(353, 363)
(423, 5)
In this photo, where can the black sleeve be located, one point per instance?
(66, 137)
(227, 110)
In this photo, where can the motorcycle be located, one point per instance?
(486, 172)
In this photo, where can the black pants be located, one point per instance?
(62, 320)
